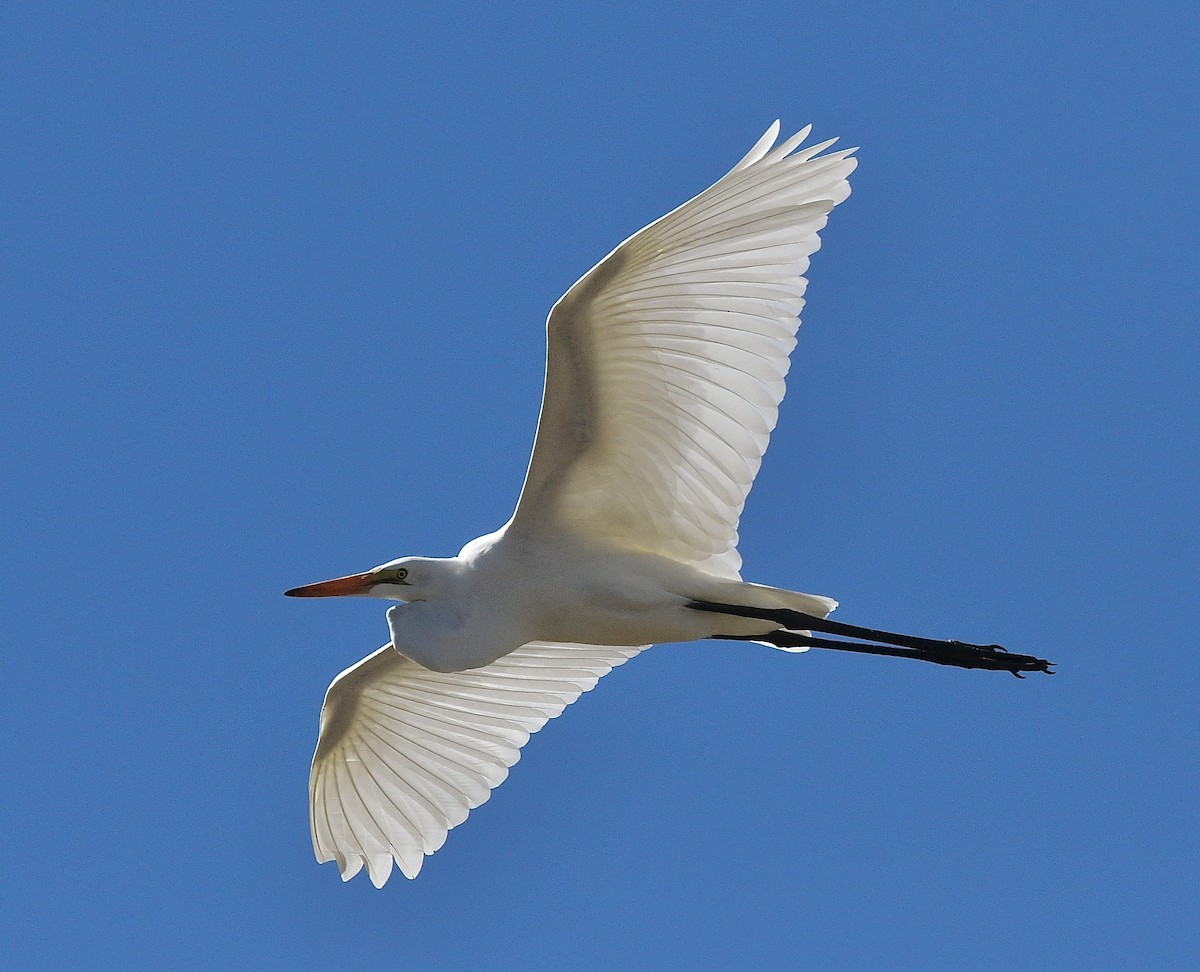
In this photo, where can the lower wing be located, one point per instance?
(405, 753)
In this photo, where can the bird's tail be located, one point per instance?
(759, 595)
(739, 594)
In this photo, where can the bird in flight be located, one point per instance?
(665, 368)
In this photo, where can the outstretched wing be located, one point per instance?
(665, 363)
(406, 753)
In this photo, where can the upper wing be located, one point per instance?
(665, 363)
(405, 753)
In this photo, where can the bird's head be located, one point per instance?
(406, 579)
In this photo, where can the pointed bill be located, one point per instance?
(338, 587)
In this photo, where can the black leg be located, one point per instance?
(957, 653)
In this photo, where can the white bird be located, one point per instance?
(664, 373)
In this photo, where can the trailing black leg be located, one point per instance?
(957, 653)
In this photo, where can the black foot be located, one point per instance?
(992, 657)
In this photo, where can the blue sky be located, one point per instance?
(273, 285)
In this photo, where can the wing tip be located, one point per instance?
(761, 147)
(767, 152)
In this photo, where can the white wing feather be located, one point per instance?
(405, 753)
(665, 363)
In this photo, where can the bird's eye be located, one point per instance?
(401, 574)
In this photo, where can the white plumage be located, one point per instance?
(405, 753)
(665, 370)
(666, 362)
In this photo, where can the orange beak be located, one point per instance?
(339, 586)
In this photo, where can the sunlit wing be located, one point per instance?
(405, 753)
(666, 362)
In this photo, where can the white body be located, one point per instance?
(500, 593)
(665, 368)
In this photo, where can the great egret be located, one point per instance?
(665, 368)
